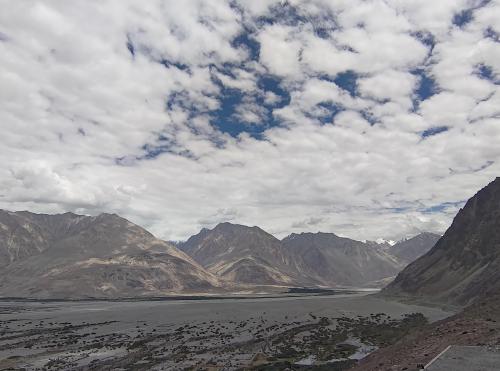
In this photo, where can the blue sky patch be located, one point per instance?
(434, 131)
(427, 87)
(322, 32)
(282, 14)
(490, 33)
(249, 43)
(465, 16)
(223, 118)
(168, 64)
(328, 111)
(486, 72)
(462, 18)
(442, 207)
(368, 116)
(348, 81)
(273, 84)
(324, 24)
(161, 145)
(425, 38)
(152, 151)
(226, 119)
(181, 99)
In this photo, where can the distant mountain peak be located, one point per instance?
(311, 235)
(229, 225)
(409, 249)
(247, 255)
(382, 241)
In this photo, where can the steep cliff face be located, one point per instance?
(465, 263)
(69, 256)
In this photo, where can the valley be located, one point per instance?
(81, 292)
(306, 331)
(250, 185)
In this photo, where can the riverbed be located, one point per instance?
(227, 334)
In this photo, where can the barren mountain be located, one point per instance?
(336, 261)
(241, 254)
(465, 263)
(413, 248)
(70, 255)
(249, 255)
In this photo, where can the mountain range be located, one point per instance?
(77, 256)
(251, 256)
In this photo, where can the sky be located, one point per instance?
(369, 119)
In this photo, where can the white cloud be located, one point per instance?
(391, 84)
(112, 107)
(433, 112)
(280, 50)
(271, 98)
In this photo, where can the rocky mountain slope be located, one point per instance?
(249, 255)
(70, 255)
(242, 255)
(408, 250)
(465, 263)
(331, 260)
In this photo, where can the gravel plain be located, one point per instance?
(308, 331)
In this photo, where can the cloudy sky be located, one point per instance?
(364, 118)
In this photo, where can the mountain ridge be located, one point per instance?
(66, 255)
(339, 261)
(71, 255)
(241, 254)
(301, 256)
(465, 263)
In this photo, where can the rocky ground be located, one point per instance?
(477, 325)
(255, 343)
(301, 338)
